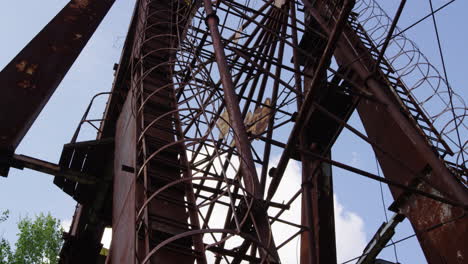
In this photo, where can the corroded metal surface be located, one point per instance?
(202, 105)
(442, 245)
(124, 194)
(31, 78)
(390, 128)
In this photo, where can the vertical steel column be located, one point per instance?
(308, 240)
(318, 245)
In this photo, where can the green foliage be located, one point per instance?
(4, 215)
(5, 252)
(5, 249)
(39, 242)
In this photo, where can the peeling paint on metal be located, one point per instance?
(31, 69)
(27, 68)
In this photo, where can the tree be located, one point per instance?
(5, 249)
(39, 241)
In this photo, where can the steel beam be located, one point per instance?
(318, 244)
(31, 78)
(22, 161)
(386, 125)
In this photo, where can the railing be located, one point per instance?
(88, 121)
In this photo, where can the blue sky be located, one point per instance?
(28, 192)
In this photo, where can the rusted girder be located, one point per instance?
(31, 78)
(318, 244)
(392, 130)
(22, 161)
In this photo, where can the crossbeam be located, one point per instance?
(30, 79)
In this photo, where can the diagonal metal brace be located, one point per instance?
(31, 78)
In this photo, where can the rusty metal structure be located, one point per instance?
(204, 94)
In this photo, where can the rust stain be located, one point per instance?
(24, 66)
(21, 66)
(31, 69)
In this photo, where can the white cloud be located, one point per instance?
(350, 234)
(290, 184)
(66, 224)
(349, 226)
(107, 238)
